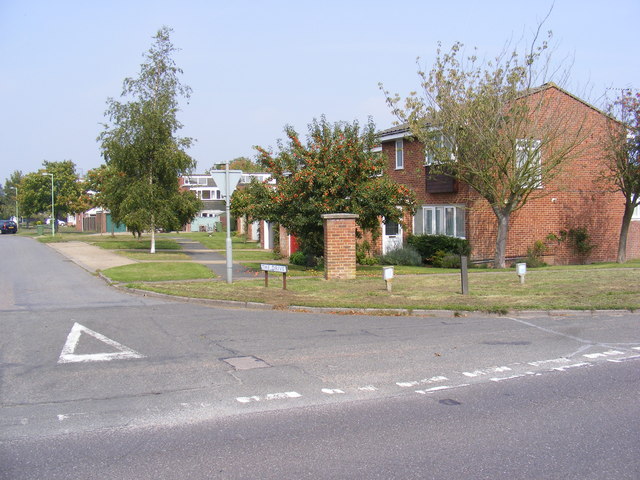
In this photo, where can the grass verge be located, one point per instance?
(158, 272)
(543, 290)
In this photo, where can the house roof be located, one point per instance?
(402, 130)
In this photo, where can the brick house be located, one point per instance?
(577, 199)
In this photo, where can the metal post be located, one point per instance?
(228, 243)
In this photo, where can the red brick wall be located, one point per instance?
(576, 198)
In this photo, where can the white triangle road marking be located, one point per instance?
(68, 356)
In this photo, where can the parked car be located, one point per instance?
(8, 226)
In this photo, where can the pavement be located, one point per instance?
(90, 257)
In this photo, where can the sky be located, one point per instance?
(256, 66)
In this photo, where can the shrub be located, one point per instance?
(363, 254)
(581, 240)
(442, 259)
(306, 260)
(429, 245)
(402, 256)
(298, 258)
(534, 254)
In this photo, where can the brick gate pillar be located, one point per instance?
(339, 245)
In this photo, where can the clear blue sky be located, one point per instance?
(255, 66)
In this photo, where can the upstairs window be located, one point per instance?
(441, 144)
(399, 154)
(529, 161)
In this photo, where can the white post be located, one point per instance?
(228, 242)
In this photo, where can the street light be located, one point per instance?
(53, 221)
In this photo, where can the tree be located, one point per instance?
(142, 151)
(336, 171)
(622, 144)
(9, 197)
(35, 190)
(241, 163)
(486, 124)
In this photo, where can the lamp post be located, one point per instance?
(53, 220)
(17, 217)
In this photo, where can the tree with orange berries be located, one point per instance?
(336, 170)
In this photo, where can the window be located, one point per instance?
(441, 143)
(399, 154)
(206, 195)
(636, 213)
(439, 220)
(528, 162)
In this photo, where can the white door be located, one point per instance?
(391, 236)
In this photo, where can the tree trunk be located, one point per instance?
(624, 232)
(501, 238)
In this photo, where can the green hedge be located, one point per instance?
(428, 246)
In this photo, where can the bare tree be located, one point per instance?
(490, 126)
(622, 144)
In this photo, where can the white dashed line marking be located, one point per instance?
(332, 391)
(424, 381)
(269, 396)
(368, 388)
(478, 373)
(575, 365)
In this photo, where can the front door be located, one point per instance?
(391, 236)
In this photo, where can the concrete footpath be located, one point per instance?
(90, 257)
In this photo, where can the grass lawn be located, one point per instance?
(146, 256)
(158, 272)
(218, 241)
(544, 289)
(255, 255)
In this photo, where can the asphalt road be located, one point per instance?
(95, 383)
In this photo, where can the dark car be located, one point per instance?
(8, 226)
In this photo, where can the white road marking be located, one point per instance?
(545, 362)
(415, 383)
(68, 356)
(477, 373)
(368, 388)
(603, 354)
(500, 379)
(442, 387)
(620, 360)
(331, 391)
(269, 396)
(575, 365)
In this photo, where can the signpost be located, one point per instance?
(278, 268)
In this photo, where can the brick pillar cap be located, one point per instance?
(344, 216)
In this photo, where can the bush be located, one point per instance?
(534, 255)
(306, 260)
(429, 245)
(442, 259)
(402, 256)
(298, 258)
(363, 254)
